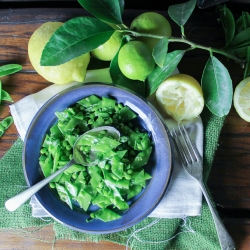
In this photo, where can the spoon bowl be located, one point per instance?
(78, 157)
(81, 158)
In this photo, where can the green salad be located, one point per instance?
(118, 174)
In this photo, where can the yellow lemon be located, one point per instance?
(241, 99)
(151, 23)
(74, 70)
(135, 60)
(181, 97)
(108, 50)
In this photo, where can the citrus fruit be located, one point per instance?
(181, 97)
(74, 70)
(241, 99)
(151, 23)
(108, 50)
(135, 60)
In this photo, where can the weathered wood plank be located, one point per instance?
(229, 178)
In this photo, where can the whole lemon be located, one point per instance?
(151, 23)
(108, 50)
(135, 60)
(74, 70)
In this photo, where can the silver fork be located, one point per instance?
(192, 163)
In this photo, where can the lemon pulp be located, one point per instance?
(180, 96)
(241, 99)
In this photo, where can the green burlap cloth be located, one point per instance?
(191, 233)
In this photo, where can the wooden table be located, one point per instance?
(229, 180)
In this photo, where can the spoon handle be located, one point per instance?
(15, 202)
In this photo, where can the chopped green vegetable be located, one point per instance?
(6, 96)
(5, 123)
(9, 69)
(64, 194)
(118, 174)
(84, 199)
(105, 215)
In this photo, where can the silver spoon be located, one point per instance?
(15, 202)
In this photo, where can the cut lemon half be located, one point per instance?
(241, 99)
(181, 97)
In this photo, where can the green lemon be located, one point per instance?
(108, 50)
(151, 23)
(135, 60)
(74, 70)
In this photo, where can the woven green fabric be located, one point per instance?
(150, 234)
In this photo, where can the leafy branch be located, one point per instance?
(82, 34)
(192, 44)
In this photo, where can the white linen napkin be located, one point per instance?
(183, 197)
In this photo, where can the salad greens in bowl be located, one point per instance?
(130, 173)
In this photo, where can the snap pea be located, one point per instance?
(5, 123)
(9, 69)
(119, 173)
(101, 201)
(64, 194)
(105, 215)
(4, 96)
(84, 199)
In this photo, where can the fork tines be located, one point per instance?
(185, 147)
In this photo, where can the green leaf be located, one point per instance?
(160, 51)
(238, 46)
(75, 37)
(228, 23)
(9, 69)
(243, 22)
(109, 11)
(122, 81)
(180, 13)
(240, 40)
(247, 68)
(240, 52)
(246, 19)
(217, 87)
(159, 74)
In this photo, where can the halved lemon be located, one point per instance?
(241, 99)
(181, 97)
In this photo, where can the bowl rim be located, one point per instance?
(164, 180)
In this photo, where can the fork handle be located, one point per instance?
(226, 241)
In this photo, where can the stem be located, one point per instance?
(122, 26)
(183, 32)
(209, 49)
(192, 44)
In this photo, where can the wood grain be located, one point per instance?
(229, 180)
(14, 241)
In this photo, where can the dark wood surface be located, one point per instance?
(229, 180)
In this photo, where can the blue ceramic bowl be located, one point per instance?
(159, 165)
